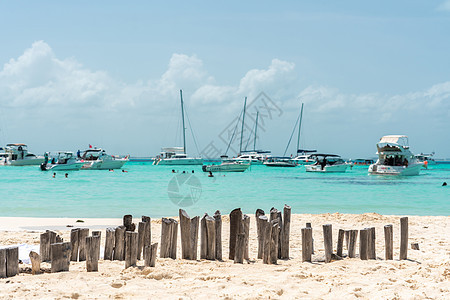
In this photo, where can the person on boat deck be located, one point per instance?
(46, 158)
(53, 160)
(323, 163)
(79, 153)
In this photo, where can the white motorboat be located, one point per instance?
(62, 161)
(257, 157)
(283, 162)
(303, 158)
(426, 159)
(394, 157)
(98, 159)
(177, 155)
(327, 163)
(226, 167)
(18, 155)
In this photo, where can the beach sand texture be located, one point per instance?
(425, 275)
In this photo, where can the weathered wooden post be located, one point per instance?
(211, 238)
(185, 234)
(246, 224)
(173, 241)
(165, 238)
(403, 238)
(109, 243)
(141, 233)
(150, 255)
(128, 223)
(60, 257)
(276, 214)
(92, 253)
(371, 245)
(131, 246)
(389, 242)
(74, 240)
(340, 242)
(119, 243)
(46, 239)
(266, 227)
(12, 261)
(235, 224)
(147, 232)
(35, 263)
(285, 232)
(2, 263)
(194, 237)
(347, 238)
(328, 241)
(306, 244)
(97, 233)
(308, 225)
(218, 227)
(363, 243)
(353, 236)
(239, 248)
(259, 213)
(82, 235)
(274, 239)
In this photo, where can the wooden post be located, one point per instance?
(203, 237)
(371, 245)
(82, 235)
(74, 239)
(353, 236)
(210, 238)
(35, 263)
(128, 223)
(2, 263)
(239, 248)
(141, 233)
(92, 253)
(60, 257)
(109, 243)
(165, 238)
(306, 244)
(340, 242)
(97, 233)
(194, 223)
(347, 238)
(131, 246)
(147, 232)
(150, 255)
(185, 234)
(235, 223)
(218, 227)
(389, 242)
(274, 238)
(328, 241)
(119, 243)
(286, 232)
(276, 214)
(173, 240)
(12, 261)
(260, 233)
(308, 225)
(246, 223)
(46, 239)
(267, 231)
(403, 238)
(363, 243)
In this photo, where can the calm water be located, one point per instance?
(26, 191)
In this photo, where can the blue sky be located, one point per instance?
(109, 73)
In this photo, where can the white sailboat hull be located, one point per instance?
(327, 169)
(178, 161)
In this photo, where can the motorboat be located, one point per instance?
(62, 161)
(254, 157)
(227, 167)
(303, 158)
(395, 157)
(18, 155)
(177, 155)
(283, 162)
(327, 163)
(361, 162)
(426, 159)
(98, 159)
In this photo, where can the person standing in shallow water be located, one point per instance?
(66, 175)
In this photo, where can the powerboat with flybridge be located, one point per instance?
(395, 157)
(327, 163)
(283, 162)
(98, 159)
(177, 155)
(62, 161)
(18, 155)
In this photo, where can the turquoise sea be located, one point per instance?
(143, 190)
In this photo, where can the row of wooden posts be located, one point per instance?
(124, 244)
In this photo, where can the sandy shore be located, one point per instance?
(425, 275)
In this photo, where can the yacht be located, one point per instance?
(98, 159)
(327, 163)
(284, 162)
(303, 158)
(62, 161)
(18, 155)
(227, 167)
(254, 157)
(177, 155)
(395, 157)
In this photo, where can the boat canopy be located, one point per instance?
(12, 145)
(255, 151)
(325, 155)
(401, 140)
(173, 149)
(305, 151)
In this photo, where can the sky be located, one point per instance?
(108, 74)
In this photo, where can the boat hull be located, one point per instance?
(412, 170)
(63, 167)
(178, 161)
(27, 162)
(104, 164)
(280, 164)
(327, 169)
(226, 167)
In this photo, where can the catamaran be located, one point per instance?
(177, 155)
(395, 157)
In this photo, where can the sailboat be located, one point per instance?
(304, 157)
(173, 156)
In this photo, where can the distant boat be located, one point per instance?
(98, 159)
(327, 163)
(63, 161)
(361, 162)
(394, 157)
(426, 159)
(18, 155)
(226, 167)
(282, 162)
(172, 156)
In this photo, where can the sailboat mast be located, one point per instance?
(184, 127)
(299, 128)
(256, 129)
(242, 128)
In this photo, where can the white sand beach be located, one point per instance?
(425, 275)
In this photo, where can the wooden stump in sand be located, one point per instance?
(74, 240)
(285, 232)
(189, 235)
(328, 241)
(363, 243)
(260, 233)
(389, 242)
(150, 255)
(131, 248)
(12, 261)
(46, 239)
(82, 235)
(119, 243)
(60, 257)
(340, 242)
(403, 238)
(109, 244)
(2, 263)
(35, 263)
(306, 244)
(371, 250)
(92, 253)
(218, 227)
(353, 236)
(235, 224)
